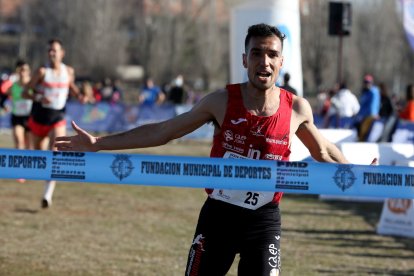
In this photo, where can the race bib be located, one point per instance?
(22, 107)
(246, 199)
(57, 98)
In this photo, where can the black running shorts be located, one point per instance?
(20, 121)
(224, 230)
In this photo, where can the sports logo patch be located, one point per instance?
(344, 177)
(122, 166)
(238, 121)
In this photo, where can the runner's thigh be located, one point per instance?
(260, 251)
(261, 260)
(213, 249)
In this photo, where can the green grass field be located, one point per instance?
(101, 229)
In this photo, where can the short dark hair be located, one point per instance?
(20, 63)
(263, 30)
(55, 40)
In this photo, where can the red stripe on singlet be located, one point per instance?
(55, 84)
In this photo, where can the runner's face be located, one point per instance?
(263, 61)
(24, 71)
(55, 52)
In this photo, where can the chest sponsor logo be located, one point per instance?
(232, 148)
(271, 156)
(278, 141)
(253, 153)
(237, 138)
(238, 121)
(240, 139)
(228, 135)
(257, 131)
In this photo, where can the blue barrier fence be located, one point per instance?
(109, 118)
(219, 173)
(382, 130)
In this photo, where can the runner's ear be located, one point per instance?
(244, 57)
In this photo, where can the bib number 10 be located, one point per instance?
(251, 198)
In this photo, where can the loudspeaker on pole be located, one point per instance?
(340, 18)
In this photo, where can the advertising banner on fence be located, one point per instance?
(218, 173)
(397, 218)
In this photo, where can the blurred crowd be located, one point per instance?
(148, 94)
(339, 107)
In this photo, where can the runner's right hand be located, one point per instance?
(82, 141)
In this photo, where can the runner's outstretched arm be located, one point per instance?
(149, 135)
(319, 147)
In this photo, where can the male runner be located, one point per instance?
(51, 84)
(254, 120)
(21, 107)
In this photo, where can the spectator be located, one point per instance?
(5, 84)
(3, 94)
(321, 98)
(286, 85)
(7, 81)
(387, 114)
(386, 106)
(87, 92)
(107, 90)
(326, 105)
(177, 91)
(193, 97)
(116, 92)
(150, 93)
(397, 102)
(344, 105)
(370, 106)
(97, 91)
(408, 112)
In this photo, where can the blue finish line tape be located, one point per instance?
(198, 172)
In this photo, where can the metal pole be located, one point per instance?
(339, 70)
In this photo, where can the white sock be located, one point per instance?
(49, 188)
